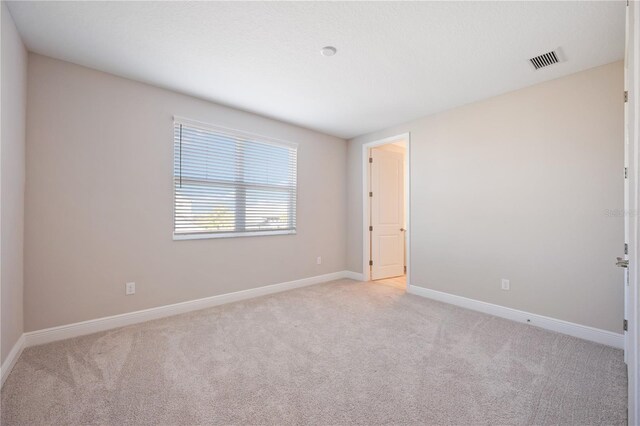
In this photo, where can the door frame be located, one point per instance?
(366, 236)
(632, 142)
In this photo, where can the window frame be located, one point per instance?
(261, 139)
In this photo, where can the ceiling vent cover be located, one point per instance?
(544, 60)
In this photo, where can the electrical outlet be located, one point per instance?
(319, 260)
(129, 289)
(505, 284)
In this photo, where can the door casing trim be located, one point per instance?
(366, 238)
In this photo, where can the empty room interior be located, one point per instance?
(327, 213)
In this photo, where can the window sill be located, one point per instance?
(180, 237)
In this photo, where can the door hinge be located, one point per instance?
(624, 325)
(405, 269)
(371, 159)
(626, 96)
(626, 248)
(370, 194)
(371, 263)
(626, 173)
(371, 229)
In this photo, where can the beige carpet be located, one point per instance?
(337, 353)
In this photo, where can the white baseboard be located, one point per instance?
(576, 330)
(12, 358)
(62, 332)
(354, 275)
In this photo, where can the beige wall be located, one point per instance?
(518, 187)
(99, 201)
(14, 97)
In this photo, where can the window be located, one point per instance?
(229, 183)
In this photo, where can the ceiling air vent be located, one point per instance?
(544, 60)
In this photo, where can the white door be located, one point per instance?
(631, 208)
(624, 260)
(387, 213)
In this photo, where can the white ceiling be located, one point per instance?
(396, 61)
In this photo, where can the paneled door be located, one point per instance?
(387, 213)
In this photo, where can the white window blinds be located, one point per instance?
(230, 183)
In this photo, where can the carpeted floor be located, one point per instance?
(338, 353)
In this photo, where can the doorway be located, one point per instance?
(386, 195)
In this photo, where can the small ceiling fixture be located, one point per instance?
(328, 51)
